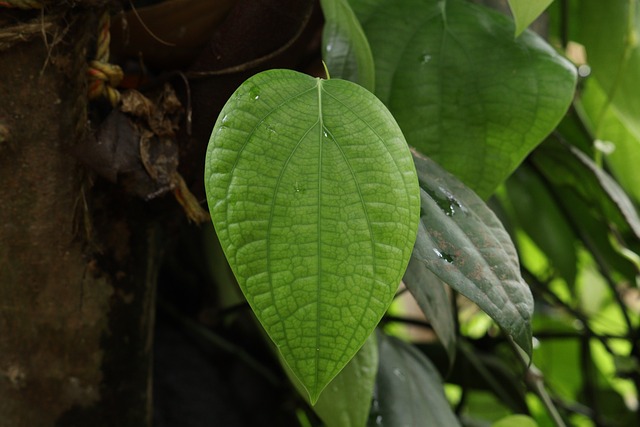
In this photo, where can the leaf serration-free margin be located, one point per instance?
(315, 199)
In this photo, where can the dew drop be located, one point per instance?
(225, 119)
(398, 373)
(425, 58)
(379, 420)
(326, 135)
(443, 255)
(256, 97)
(329, 47)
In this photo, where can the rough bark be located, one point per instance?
(77, 262)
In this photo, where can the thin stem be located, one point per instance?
(219, 342)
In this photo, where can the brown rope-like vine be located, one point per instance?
(103, 76)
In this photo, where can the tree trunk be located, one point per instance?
(77, 262)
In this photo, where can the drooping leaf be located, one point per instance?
(314, 198)
(464, 91)
(566, 166)
(345, 48)
(409, 388)
(346, 401)
(527, 11)
(540, 217)
(467, 247)
(430, 294)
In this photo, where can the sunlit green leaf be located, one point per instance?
(527, 11)
(464, 91)
(345, 48)
(409, 389)
(314, 197)
(467, 247)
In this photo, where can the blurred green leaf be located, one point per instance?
(609, 31)
(486, 371)
(465, 245)
(345, 48)
(566, 166)
(527, 11)
(608, 124)
(409, 389)
(464, 91)
(515, 421)
(540, 217)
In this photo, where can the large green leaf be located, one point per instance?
(527, 11)
(467, 247)
(463, 90)
(345, 48)
(315, 201)
(409, 388)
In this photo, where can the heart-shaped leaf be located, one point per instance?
(467, 247)
(314, 196)
(464, 91)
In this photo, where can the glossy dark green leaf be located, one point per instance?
(430, 294)
(409, 389)
(345, 48)
(314, 197)
(464, 91)
(538, 214)
(467, 247)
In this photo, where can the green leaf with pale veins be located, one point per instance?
(314, 197)
(345, 48)
(527, 11)
(464, 91)
(467, 248)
